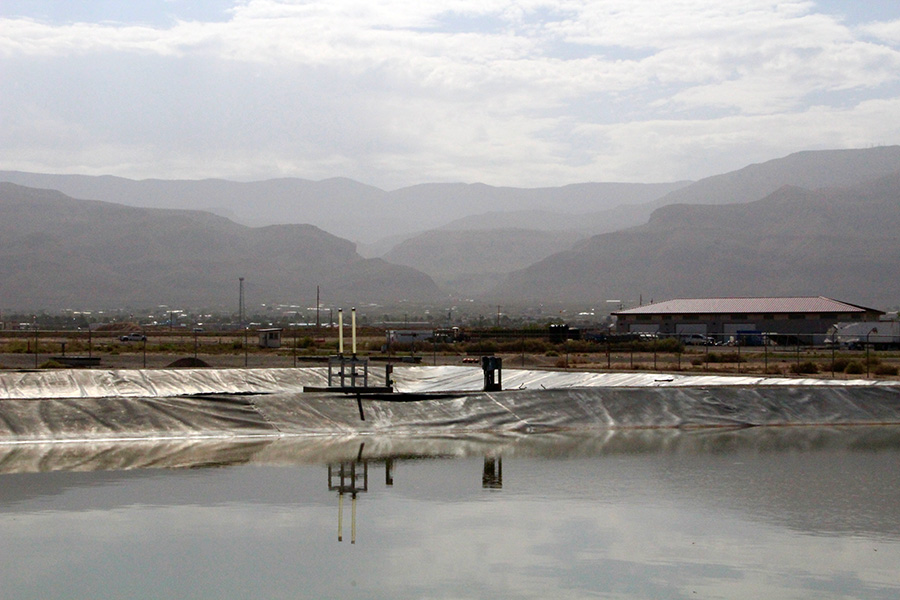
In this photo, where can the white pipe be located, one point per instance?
(353, 328)
(341, 331)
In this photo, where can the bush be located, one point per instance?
(580, 346)
(667, 345)
(886, 370)
(854, 368)
(487, 347)
(839, 365)
(52, 364)
(728, 357)
(531, 345)
(805, 368)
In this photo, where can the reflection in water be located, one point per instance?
(348, 478)
(492, 477)
(797, 512)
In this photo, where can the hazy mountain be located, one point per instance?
(471, 262)
(811, 170)
(341, 206)
(839, 242)
(58, 252)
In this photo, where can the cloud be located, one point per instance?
(399, 92)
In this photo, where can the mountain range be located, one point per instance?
(819, 223)
(838, 242)
(58, 252)
(343, 207)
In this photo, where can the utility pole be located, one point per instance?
(241, 301)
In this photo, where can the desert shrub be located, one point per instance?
(485, 346)
(18, 347)
(561, 363)
(52, 364)
(774, 370)
(886, 370)
(667, 345)
(854, 368)
(727, 357)
(874, 361)
(531, 345)
(804, 368)
(839, 365)
(551, 353)
(581, 346)
(697, 362)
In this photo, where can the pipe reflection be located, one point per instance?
(492, 475)
(348, 478)
(352, 477)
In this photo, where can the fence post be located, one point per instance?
(832, 358)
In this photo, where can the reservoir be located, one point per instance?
(239, 484)
(761, 512)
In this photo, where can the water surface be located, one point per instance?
(766, 512)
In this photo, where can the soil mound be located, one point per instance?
(189, 363)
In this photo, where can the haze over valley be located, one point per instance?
(766, 229)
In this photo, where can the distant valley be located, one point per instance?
(815, 223)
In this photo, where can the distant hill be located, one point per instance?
(471, 262)
(58, 252)
(343, 207)
(839, 242)
(811, 170)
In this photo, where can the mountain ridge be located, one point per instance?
(838, 242)
(58, 252)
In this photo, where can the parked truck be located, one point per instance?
(883, 335)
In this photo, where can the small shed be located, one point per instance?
(270, 338)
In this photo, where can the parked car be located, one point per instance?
(133, 337)
(697, 339)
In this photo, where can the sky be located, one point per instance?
(392, 93)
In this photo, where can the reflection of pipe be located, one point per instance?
(340, 515)
(492, 475)
(341, 331)
(353, 329)
(353, 520)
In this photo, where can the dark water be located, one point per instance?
(761, 513)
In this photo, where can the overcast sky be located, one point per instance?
(397, 92)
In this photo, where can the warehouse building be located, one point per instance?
(722, 318)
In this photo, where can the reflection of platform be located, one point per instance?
(348, 478)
